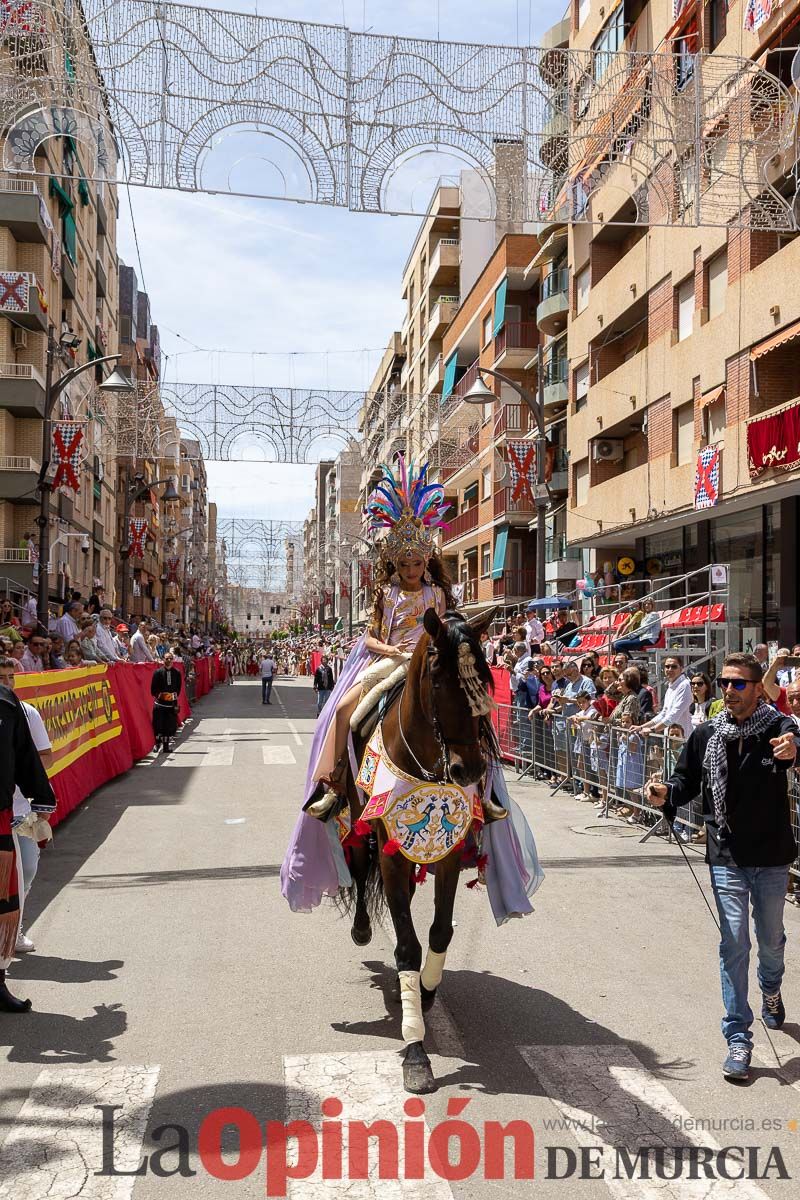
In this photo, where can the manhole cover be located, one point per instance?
(609, 829)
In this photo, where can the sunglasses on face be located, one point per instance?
(723, 682)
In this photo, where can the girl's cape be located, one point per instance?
(314, 865)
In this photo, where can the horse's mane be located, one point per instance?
(458, 631)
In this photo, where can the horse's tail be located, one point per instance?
(365, 868)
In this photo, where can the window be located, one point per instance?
(470, 497)
(608, 41)
(683, 434)
(685, 49)
(582, 386)
(185, 483)
(487, 330)
(581, 483)
(486, 482)
(582, 289)
(715, 421)
(719, 21)
(486, 560)
(717, 284)
(584, 8)
(685, 308)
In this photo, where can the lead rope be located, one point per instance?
(697, 881)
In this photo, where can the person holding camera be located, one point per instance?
(739, 762)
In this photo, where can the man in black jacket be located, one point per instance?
(20, 766)
(323, 683)
(738, 763)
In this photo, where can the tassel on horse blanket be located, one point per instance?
(391, 847)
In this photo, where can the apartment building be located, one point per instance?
(318, 585)
(342, 528)
(490, 543)
(58, 297)
(193, 490)
(256, 612)
(683, 346)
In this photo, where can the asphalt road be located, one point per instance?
(171, 980)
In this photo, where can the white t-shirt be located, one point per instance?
(267, 668)
(42, 742)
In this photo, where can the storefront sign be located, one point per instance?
(773, 442)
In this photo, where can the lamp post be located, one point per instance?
(135, 489)
(479, 393)
(116, 382)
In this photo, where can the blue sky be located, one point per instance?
(237, 275)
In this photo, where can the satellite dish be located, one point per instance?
(500, 467)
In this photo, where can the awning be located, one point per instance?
(499, 561)
(449, 375)
(500, 305)
(789, 334)
(713, 396)
(64, 198)
(550, 250)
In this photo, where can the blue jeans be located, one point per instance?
(323, 695)
(266, 689)
(632, 643)
(735, 888)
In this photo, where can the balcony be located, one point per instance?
(514, 345)
(18, 478)
(516, 584)
(23, 211)
(556, 390)
(436, 375)
(102, 213)
(15, 564)
(504, 506)
(442, 314)
(100, 276)
(69, 278)
(22, 299)
(464, 523)
(515, 419)
(557, 550)
(551, 314)
(21, 390)
(445, 261)
(470, 587)
(553, 150)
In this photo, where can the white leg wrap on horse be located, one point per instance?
(413, 1021)
(433, 970)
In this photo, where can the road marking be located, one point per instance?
(220, 755)
(55, 1144)
(278, 756)
(298, 741)
(608, 1100)
(370, 1086)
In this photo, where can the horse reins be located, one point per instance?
(443, 761)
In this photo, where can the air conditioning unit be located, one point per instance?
(20, 338)
(608, 450)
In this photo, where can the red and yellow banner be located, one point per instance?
(79, 710)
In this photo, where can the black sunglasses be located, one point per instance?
(724, 681)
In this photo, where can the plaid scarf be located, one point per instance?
(9, 898)
(716, 756)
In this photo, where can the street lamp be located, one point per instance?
(116, 382)
(135, 489)
(479, 393)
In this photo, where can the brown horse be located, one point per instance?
(432, 734)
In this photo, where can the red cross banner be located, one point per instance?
(328, 601)
(344, 589)
(706, 479)
(14, 291)
(137, 532)
(365, 574)
(522, 468)
(67, 441)
(172, 570)
(20, 17)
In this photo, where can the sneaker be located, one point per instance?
(737, 1064)
(773, 1013)
(25, 945)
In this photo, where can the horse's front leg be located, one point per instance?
(397, 874)
(448, 872)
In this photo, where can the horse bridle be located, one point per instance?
(443, 761)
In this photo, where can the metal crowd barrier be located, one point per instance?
(599, 761)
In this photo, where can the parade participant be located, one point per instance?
(20, 766)
(410, 579)
(29, 827)
(323, 683)
(165, 688)
(739, 763)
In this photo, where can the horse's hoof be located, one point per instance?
(361, 937)
(426, 997)
(417, 1074)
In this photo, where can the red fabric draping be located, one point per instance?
(774, 442)
(501, 717)
(99, 720)
(316, 659)
(202, 683)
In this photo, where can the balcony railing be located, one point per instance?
(18, 462)
(555, 283)
(513, 418)
(555, 371)
(516, 336)
(557, 550)
(465, 522)
(504, 504)
(465, 382)
(517, 583)
(470, 587)
(14, 554)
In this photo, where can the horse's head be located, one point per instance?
(455, 686)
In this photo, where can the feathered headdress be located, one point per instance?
(408, 507)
